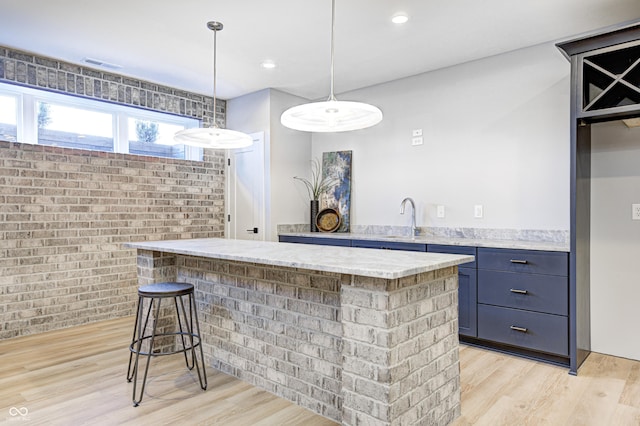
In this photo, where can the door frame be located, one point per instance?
(259, 142)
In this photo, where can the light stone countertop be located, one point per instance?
(452, 241)
(389, 264)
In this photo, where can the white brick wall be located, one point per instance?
(353, 349)
(64, 215)
(400, 349)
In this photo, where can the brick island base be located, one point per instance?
(355, 349)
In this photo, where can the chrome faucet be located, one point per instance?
(413, 214)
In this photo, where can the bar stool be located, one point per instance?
(156, 293)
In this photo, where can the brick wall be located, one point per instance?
(412, 323)
(357, 350)
(276, 328)
(64, 213)
(39, 72)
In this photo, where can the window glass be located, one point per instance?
(8, 118)
(30, 115)
(153, 137)
(61, 125)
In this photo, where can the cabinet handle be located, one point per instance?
(520, 329)
(523, 262)
(515, 290)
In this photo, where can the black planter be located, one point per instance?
(313, 212)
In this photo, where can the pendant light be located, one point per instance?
(332, 115)
(213, 137)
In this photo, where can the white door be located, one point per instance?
(245, 191)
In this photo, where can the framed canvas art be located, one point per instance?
(337, 166)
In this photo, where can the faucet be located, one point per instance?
(413, 214)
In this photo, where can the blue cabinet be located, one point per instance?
(513, 300)
(389, 245)
(524, 261)
(467, 288)
(531, 292)
(315, 240)
(523, 300)
(524, 329)
(467, 303)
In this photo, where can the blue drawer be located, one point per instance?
(542, 293)
(315, 240)
(439, 248)
(527, 261)
(389, 245)
(540, 332)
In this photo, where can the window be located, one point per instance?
(8, 118)
(44, 118)
(71, 127)
(153, 137)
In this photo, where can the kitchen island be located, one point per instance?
(358, 336)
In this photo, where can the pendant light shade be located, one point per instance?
(332, 115)
(213, 137)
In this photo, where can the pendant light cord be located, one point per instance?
(215, 27)
(333, 24)
(215, 72)
(213, 136)
(331, 115)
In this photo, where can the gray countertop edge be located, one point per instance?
(344, 260)
(488, 243)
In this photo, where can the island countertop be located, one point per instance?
(386, 264)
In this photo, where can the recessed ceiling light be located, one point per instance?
(268, 65)
(399, 18)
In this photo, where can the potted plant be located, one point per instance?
(316, 186)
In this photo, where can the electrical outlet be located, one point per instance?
(478, 211)
(440, 211)
(416, 141)
(635, 211)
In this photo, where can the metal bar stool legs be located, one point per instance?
(155, 293)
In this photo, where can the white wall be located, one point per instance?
(496, 133)
(290, 156)
(250, 114)
(287, 154)
(615, 240)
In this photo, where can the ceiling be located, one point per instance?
(167, 42)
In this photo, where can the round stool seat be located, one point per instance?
(169, 289)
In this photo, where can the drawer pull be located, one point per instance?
(520, 329)
(522, 262)
(515, 290)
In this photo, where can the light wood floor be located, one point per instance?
(505, 390)
(77, 376)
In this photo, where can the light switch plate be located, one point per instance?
(440, 211)
(478, 211)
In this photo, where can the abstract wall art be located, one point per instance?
(337, 166)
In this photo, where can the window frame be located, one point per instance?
(27, 116)
(16, 100)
